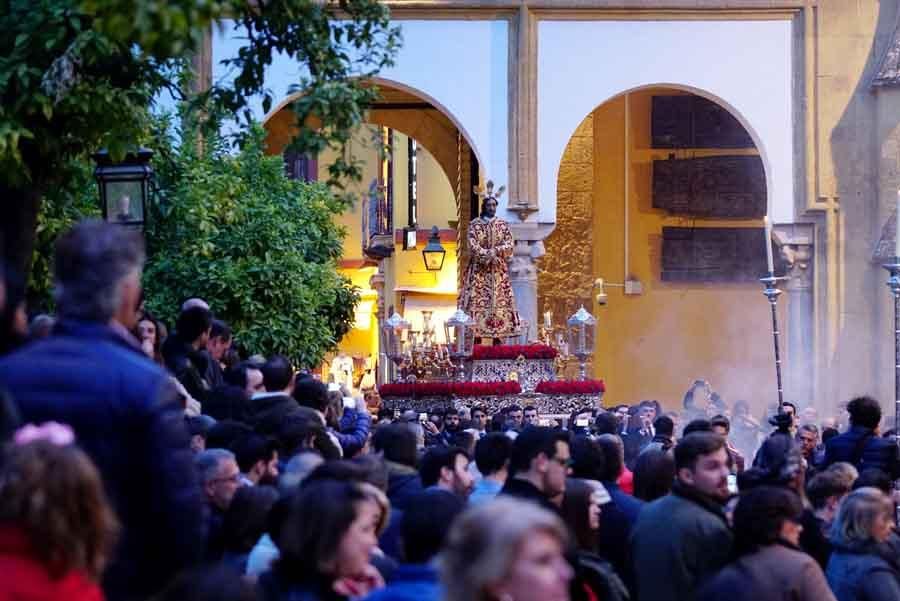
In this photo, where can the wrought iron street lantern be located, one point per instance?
(434, 252)
(460, 340)
(582, 327)
(124, 187)
(395, 333)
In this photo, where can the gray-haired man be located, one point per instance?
(92, 375)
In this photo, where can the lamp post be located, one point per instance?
(395, 332)
(124, 187)
(434, 252)
(460, 340)
(582, 327)
(894, 284)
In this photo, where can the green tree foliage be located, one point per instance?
(77, 75)
(63, 208)
(261, 248)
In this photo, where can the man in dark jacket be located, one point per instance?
(683, 538)
(620, 515)
(185, 351)
(397, 444)
(220, 339)
(92, 375)
(664, 427)
(860, 445)
(641, 434)
(825, 492)
(268, 409)
(539, 466)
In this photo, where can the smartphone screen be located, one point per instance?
(423, 417)
(732, 484)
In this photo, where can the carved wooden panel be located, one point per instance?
(695, 122)
(715, 127)
(715, 254)
(723, 186)
(671, 122)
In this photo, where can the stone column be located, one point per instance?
(383, 373)
(523, 273)
(797, 251)
(523, 52)
(523, 277)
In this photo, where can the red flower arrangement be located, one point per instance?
(513, 351)
(571, 387)
(426, 389)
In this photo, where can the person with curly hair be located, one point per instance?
(56, 526)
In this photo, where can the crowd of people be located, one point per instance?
(143, 463)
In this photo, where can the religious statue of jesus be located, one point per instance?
(486, 294)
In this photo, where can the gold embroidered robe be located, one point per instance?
(487, 295)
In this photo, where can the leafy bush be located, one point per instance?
(260, 248)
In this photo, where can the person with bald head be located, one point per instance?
(194, 302)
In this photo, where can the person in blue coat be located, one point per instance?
(862, 567)
(91, 374)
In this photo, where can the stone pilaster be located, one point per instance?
(797, 250)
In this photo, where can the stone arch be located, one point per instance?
(754, 134)
(425, 120)
(587, 243)
(432, 125)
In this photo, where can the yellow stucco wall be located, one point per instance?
(362, 340)
(436, 192)
(364, 149)
(653, 345)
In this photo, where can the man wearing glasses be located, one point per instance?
(220, 477)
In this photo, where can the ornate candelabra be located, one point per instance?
(395, 333)
(460, 340)
(582, 326)
(894, 284)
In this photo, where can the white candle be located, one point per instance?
(897, 237)
(548, 317)
(769, 261)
